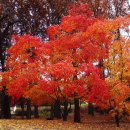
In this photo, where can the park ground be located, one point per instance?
(98, 122)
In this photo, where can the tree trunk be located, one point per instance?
(2, 104)
(70, 109)
(52, 113)
(76, 110)
(28, 108)
(5, 105)
(7, 113)
(65, 111)
(36, 112)
(117, 119)
(22, 103)
(57, 109)
(90, 109)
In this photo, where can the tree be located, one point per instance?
(109, 9)
(21, 63)
(118, 76)
(78, 51)
(21, 17)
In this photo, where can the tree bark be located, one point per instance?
(52, 113)
(22, 103)
(117, 119)
(90, 109)
(28, 108)
(7, 113)
(70, 109)
(77, 110)
(57, 109)
(36, 112)
(65, 110)
(5, 105)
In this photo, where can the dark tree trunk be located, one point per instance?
(5, 105)
(5, 99)
(2, 104)
(102, 112)
(52, 113)
(57, 109)
(7, 113)
(65, 111)
(70, 109)
(22, 103)
(36, 112)
(28, 108)
(90, 109)
(117, 119)
(77, 110)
